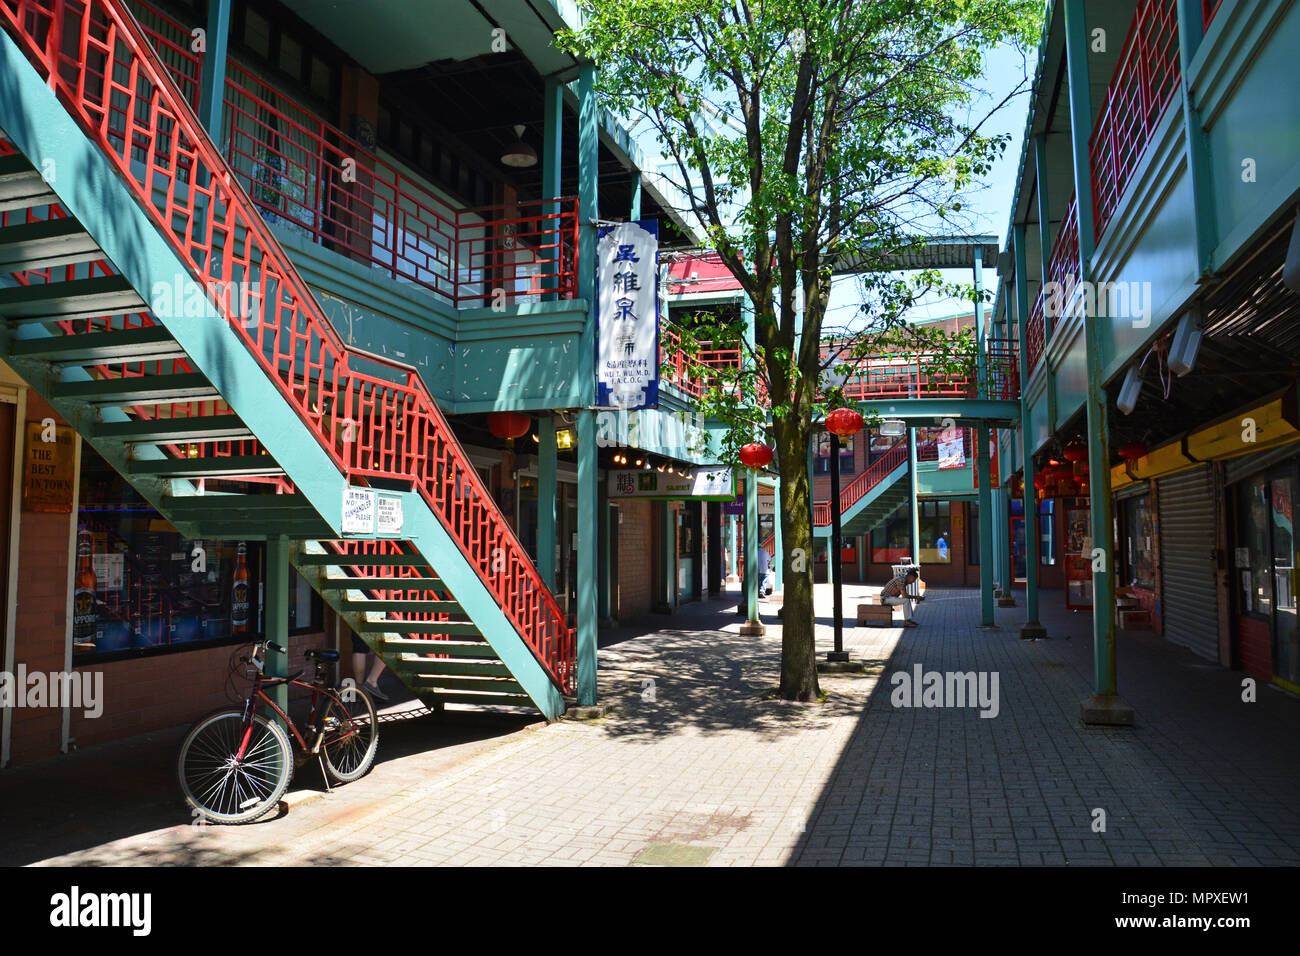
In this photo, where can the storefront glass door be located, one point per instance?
(1286, 655)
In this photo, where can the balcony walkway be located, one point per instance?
(712, 772)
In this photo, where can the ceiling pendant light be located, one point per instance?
(519, 154)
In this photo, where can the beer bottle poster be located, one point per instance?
(48, 468)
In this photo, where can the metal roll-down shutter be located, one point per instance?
(1188, 592)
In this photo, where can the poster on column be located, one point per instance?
(627, 315)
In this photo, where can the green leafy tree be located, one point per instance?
(809, 138)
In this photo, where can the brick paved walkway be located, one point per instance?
(702, 767)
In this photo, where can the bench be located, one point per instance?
(875, 613)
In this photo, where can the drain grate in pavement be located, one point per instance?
(673, 854)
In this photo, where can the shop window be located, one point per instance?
(1047, 532)
(935, 525)
(141, 587)
(1139, 543)
(257, 33)
(822, 456)
(891, 542)
(973, 532)
(1253, 558)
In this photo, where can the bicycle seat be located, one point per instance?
(322, 654)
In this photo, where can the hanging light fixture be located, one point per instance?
(519, 154)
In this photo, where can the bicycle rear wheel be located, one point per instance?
(224, 786)
(351, 735)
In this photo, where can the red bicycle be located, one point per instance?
(235, 764)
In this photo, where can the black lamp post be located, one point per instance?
(841, 423)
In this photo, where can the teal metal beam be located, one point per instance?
(1032, 628)
(277, 615)
(546, 494)
(1191, 29)
(1105, 684)
(212, 80)
(967, 411)
(585, 610)
(668, 555)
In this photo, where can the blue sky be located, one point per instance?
(988, 205)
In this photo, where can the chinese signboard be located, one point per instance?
(706, 483)
(48, 468)
(627, 315)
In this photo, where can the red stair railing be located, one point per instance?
(877, 472)
(95, 56)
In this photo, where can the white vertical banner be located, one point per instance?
(627, 315)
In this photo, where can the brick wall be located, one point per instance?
(41, 619)
(636, 551)
(167, 690)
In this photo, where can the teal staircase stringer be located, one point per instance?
(89, 188)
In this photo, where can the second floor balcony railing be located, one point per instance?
(1062, 277)
(1145, 81)
(309, 177)
(901, 373)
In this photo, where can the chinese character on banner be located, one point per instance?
(627, 315)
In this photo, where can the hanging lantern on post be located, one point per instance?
(1132, 450)
(756, 455)
(844, 422)
(509, 425)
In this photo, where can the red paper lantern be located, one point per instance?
(1075, 451)
(756, 455)
(509, 424)
(844, 422)
(1132, 451)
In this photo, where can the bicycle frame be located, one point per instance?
(319, 693)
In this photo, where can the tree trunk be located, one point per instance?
(798, 646)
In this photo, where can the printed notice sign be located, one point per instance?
(389, 511)
(358, 511)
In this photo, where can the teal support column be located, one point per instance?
(603, 562)
(546, 493)
(864, 542)
(986, 526)
(915, 503)
(212, 80)
(588, 212)
(585, 610)
(1191, 30)
(552, 153)
(277, 615)
(634, 212)
(668, 556)
(778, 561)
(733, 540)
(752, 624)
(1032, 629)
(1104, 707)
(982, 457)
(1044, 222)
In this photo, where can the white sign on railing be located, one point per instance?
(627, 315)
(358, 510)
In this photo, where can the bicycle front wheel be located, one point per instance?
(351, 734)
(233, 770)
